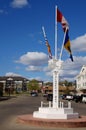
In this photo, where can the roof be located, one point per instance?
(83, 69)
(15, 78)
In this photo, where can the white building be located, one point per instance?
(81, 80)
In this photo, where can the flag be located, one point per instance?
(62, 20)
(49, 49)
(65, 26)
(47, 43)
(67, 45)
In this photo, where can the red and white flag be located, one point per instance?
(62, 20)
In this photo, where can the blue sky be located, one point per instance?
(22, 45)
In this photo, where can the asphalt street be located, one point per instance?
(10, 109)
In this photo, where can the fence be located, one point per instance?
(61, 104)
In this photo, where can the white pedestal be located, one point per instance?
(53, 113)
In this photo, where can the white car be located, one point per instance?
(84, 98)
(69, 97)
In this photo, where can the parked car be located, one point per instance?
(64, 96)
(84, 98)
(49, 97)
(77, 98)
(69, 97)
(34, 94)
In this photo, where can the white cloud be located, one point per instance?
(19, 3)
(79, 44)
(11, 74)
(33, 58)
(34, 61)
(69, 69)
(34, 68)
(46, 69)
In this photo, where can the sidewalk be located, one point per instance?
(4, 98)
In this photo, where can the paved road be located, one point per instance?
(10, 109)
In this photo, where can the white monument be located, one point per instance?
(55, 109)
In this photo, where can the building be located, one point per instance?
(11, 83)
(81, 80)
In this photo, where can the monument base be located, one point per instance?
(55, 113)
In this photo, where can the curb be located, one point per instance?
(55, 123)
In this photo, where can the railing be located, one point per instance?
(61, 104)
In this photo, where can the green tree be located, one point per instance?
(49, 84)
(33, 85)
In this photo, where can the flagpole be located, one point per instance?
(62, 45)
(44, 32)
(56, 32)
